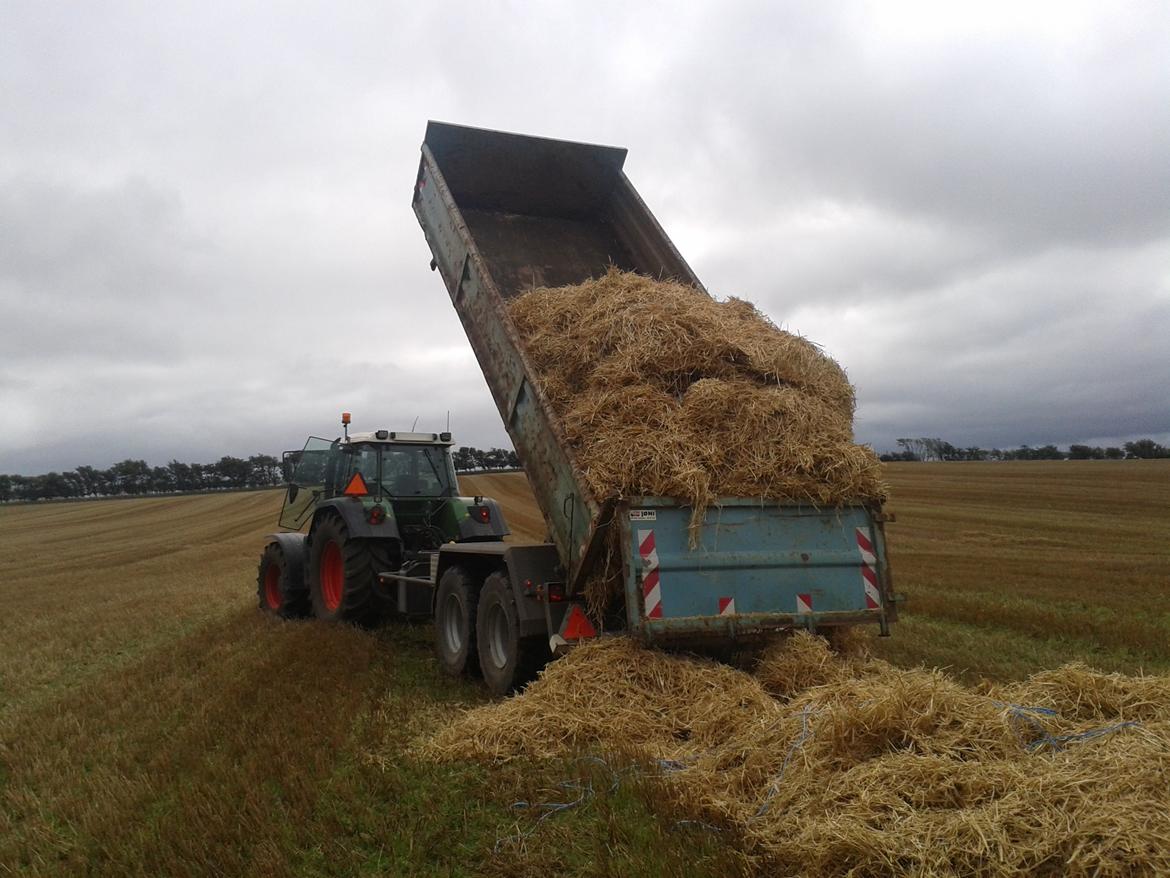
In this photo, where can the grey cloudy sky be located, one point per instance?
(207, 247)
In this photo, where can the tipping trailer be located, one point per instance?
(504, 213)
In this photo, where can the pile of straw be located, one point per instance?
(664, 391)
(822, 764)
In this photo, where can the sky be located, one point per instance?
(207, 245)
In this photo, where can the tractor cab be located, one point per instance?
(387, 484)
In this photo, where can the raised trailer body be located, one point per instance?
(504, 213)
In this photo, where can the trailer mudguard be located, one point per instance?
(528, 568)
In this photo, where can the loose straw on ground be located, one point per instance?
(828, 764)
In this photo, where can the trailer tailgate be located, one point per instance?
(757, 565)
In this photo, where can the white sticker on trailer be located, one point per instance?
(643, 515)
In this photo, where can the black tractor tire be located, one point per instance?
(506, 659)
(341, 573)
(280, 584)
(455, 609)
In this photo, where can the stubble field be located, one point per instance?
(153, 722)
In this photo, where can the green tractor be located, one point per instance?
(378, 507)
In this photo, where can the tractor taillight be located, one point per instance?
(376, 515)
(482, 513)
(555, 591)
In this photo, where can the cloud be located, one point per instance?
(206, 245)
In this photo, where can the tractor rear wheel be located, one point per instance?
(507, 660)
(341, 573)
(280, 584)
(455, 606)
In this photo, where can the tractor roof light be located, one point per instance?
(345, 417)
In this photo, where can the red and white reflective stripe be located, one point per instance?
(651, 590)
(803, 604)
(869, 580)
(727, 606)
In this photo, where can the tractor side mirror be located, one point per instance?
(293, 490)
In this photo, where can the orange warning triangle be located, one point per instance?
(357, 486)
(576, 626)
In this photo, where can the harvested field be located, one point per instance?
(662, 390)
(153, 723)
(822, 764)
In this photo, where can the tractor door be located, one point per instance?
(307, 482)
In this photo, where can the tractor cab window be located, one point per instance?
(308, 471)
(418, 471)
(359, 459)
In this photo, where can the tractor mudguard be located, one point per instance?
(354, 515)
(293, 546)
(496, 527)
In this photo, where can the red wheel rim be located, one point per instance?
(332, 576)
(272, 595)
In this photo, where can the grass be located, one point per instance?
(153, 723)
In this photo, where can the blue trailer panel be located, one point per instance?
(756, 565)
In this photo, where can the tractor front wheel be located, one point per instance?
(280, 584)
(341, 574)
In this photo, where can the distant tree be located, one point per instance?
(513, 460)
(1145, 449)
(5, 488)
(911, 450)
(463, 459)
(56, 485)
(93, 481)
(1112, 453)
(1081, 452)
(162, 480)
(130, 477)
(496, 458)
(232, 471)
(265, 469)
(181, 476)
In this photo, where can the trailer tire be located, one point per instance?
(507, 660)
(455, 611)
(280, 584)
(340, 573)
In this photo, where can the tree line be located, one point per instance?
(927, 449)
(468, 458)
(131, 478)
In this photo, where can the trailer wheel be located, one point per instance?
(507, 660)
(455, 608)
(280, 584)
(341, 575)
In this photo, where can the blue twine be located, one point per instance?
(1024, 714)
(585, 793)
(805, 734)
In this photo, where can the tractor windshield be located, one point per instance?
(406, 470)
